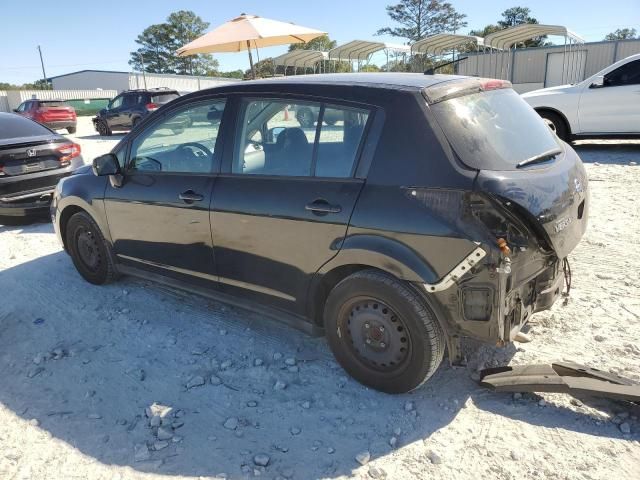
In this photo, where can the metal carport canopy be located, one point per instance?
(361, 49)
(443, 42)
(300, 58)
(504, 39)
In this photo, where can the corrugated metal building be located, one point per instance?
(119, 81)
(533, 68)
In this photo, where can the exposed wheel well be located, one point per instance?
(66, 214)
(541, 110)
(330, 280)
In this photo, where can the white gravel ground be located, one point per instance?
(79, 366)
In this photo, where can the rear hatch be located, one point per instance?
(55, 111)
(518, 159)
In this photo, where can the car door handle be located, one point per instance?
(322, 207)
(190, 196)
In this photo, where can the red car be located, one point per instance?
(54, 114)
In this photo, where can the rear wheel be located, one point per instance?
(556, 123)
(135, 122)
(102, 128)
(382, 333)
(89, 250)
(71, 130)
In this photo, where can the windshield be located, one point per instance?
(494, 130)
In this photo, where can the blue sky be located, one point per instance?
(77, 35)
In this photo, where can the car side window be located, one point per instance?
(182, 142)
(129, 101)
(628, 74)
(339, 140)
(116, 102)
(21, 107)
(278, 137)
(274, 138)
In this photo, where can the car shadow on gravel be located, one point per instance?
(86, 361)
(600, 151)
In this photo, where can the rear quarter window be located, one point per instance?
(493, 130)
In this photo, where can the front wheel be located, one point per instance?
(102, 128)
(382, 333)
(556, 123)
(89, 250)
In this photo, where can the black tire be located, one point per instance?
(89, 250)
(103, 129)
(354, 312)
(71, 130)
(305, 117)
(556, 123)
(135, 122)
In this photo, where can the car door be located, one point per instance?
(614, 106)
(283, 202)
(159, 214)
(113, 111)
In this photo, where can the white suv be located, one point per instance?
(606, 104)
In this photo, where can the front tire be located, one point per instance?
(382, 332)
(556, 123)
(89, 250)
(103, 129)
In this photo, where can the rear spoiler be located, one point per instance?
(458, 88)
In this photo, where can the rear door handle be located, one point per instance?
(190, 196)
(322, 207)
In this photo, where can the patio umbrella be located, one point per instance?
(246, 32)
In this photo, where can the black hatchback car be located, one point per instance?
(432, 208)
(32, 160)
(127, 109)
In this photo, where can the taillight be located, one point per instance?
(68, 151)
(151, 107)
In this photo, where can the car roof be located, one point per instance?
(385, 80)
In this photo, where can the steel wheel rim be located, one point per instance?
(375, 334)
(88, 249)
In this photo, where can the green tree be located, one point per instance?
(370, 68)
(231, 74)
(622, 34)
(159, 42)
(321, 44)
(420, 18)
(264, 68)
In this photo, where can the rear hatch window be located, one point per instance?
(15, 126)
(495, 130)
(163, 98)
(53, 103)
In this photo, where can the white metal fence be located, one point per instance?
(4, 103)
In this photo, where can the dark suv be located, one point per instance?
(432, 208)
(127, 109)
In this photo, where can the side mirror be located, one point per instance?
(598, 82)
(274, 132)
(106, 164)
